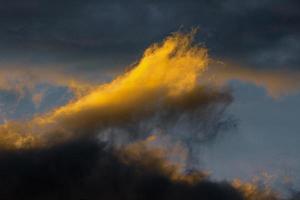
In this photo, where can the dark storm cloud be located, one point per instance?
(87, 170)
(261, 33)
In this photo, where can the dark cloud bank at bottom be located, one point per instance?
(86, 169)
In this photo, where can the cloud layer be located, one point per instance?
(59, 154)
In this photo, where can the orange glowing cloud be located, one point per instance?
(252, 191)
(167, 71)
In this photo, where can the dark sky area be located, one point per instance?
(91, 34)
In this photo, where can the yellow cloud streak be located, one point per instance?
(166, 71)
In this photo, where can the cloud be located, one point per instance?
(21, 79)
(93, 33)
(162, 85)
(59, 154)
(85, 169)
(276, 82)
(90, 33)
(252, 191)
(78, 39)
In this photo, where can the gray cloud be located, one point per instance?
(96, 32)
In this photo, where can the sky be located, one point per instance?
(53, 52)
